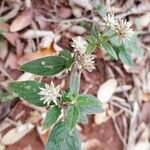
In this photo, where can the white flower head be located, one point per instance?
(123, 30)
(85, 62)
(110, 21)
(79, 44)
(49, 93)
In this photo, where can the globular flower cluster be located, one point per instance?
(109, 21)
(122, 28)
(83, 61)
(50, 93)
(79, 45)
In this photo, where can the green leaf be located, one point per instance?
(101, 8)
(125, 56)
(2, 31)
(72, 117)
(60, 139)
(69, 62)
(65, 53)
(46, 66)
(95, 31)
(74, 82)
(83, 117)
(89, 104)
(2, 20)
(92, 44)
(28, 90)
(67, 96)
(91, 48)
(51, 117)
(109, 49)
(84, 24)
(134, 46)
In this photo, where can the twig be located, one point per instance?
(121, 100)
(114, 115)
(6, 73)
(121, 107)
(125, 128)
(142, 32)
(87, 89)
(118, 130)
(64, 21)
(133, 125)
(75, 20)
(11, 121)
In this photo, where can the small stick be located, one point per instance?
(117, 129)
(6, 73)
(121, 107)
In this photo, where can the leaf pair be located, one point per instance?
(60, 138)
(84, 105)
(98, 40)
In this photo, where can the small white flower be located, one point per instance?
(123, 30)
(79, 44)
(49, 93)
(85, 62)
(110, 21)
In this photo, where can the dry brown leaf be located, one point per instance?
(11, 37)
(22, 21)
(11, 61)
(3, 49)
(65, 12)
(123, 88)
(33, 34)
(11, 2)
(86, 4)
(142, 146)
(46, 41)
(19, 47)
(26, 76)
(15, 134)
(15, 7)
(55, 44)
(77, 29)
(100, 118)
(39, 54)
(34, 117)
(77, 12)
(106, 90)
(43, 134)
(146, 97)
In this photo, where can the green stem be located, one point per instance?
(112, 36)
(105, 40)
(105, 30)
